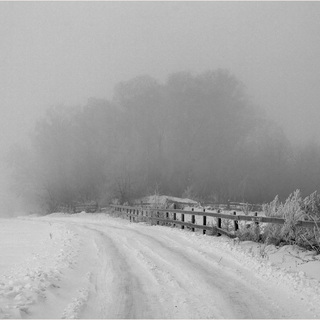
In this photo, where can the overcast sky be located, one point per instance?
(65, 52)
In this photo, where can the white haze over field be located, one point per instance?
(62, 53)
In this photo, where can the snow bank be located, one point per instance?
(32, 263)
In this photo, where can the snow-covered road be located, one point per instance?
(96, 266)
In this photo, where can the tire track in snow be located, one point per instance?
(196, 302)
(119, 292)
(162, 295)
(240, 299)
(203, 290)
(282, 302)
(173, 294)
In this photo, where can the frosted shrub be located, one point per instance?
(311, 206)
(250, 232)
(271, 209)
(292, 210)
(246, 208)
(272, 231)
(271, 234)
(227, 224)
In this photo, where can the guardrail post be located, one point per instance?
(167, 216)
(219, 223)
(256, 223)
(236, 224)
(174, 218)
(193, 220)
(182, 220)
(204, 222)
(157, 217)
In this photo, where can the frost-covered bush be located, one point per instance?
(249, 232)
(227, 224)
(270, 209)
(311, 206)
(246, 208)
(295, 208)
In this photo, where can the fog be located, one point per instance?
(62, 53)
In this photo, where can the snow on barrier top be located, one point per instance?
(163, 201)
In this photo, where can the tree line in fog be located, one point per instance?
(197, 136)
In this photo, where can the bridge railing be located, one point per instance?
(169, 217)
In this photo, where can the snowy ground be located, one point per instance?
(97, 266)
